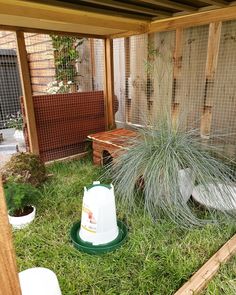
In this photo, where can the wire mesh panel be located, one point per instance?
(188, 73)
(10, 89)
(224, 91)
(190, 85)
(67, 76)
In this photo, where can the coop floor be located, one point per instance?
(8, 145)
(157, 258)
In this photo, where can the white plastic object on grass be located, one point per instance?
(186, 183)
(220, 196)
(98, 222)
(39, 281)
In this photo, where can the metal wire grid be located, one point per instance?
(146, 85)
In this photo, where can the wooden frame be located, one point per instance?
(27, 92)
(9, 280)
(109, 83)
(200, 279)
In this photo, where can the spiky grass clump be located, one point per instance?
(149, 171)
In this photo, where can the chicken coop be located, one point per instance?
(92, 66)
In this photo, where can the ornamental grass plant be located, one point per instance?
(148, 173)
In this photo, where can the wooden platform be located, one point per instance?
(113, 142)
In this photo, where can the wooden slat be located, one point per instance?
(109, 84)
(211, 65)
(129, 7)
(213, 49)
(170, 4)
(9, 281)
(48, 31)
(197, 19)
(176, 73)
(55, 17)
(202, 277)
(27, 92)
(220, 3)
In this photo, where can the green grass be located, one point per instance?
(225, 281)
(157, 258)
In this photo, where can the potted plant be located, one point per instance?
(16, 122)
(21, 200)
(159, 165)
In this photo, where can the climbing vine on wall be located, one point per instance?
(67, 56)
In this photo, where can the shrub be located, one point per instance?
(152, 164)
(25, 168)
(19, 196)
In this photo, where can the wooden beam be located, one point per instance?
(27, 92)
(202, 277)
(54, 17)
(171, 4)
(211, 65)
(197, 19)
(109, 84)
(49, 32)
(129, 7)
(175, 109)
(220, 3)
(9, 280)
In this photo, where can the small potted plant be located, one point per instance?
(21, 200)
(16, 122)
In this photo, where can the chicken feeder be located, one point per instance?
(99, 231)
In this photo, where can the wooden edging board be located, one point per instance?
(202, 277)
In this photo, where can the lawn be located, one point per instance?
(157, 258)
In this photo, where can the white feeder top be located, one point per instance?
(98, 190)
(97, 184)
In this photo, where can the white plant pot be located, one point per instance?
(22, 221)
(39, 281)
(186, 183)
(19, 137)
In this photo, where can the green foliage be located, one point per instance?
(20, 195)
(15, 121)
(66, 56)
(25, 168)
(152, 164)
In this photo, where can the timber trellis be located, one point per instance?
(170, 18)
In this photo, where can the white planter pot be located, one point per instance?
(186, 183)
(22, 221)
(19, 137)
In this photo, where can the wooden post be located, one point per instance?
(27, 92)
(109, 84)
(9, 281)
(176, 73)
(127, 79)
(211, 65)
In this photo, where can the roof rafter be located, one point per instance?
(129, 7)
(220, 3)
(170, 4)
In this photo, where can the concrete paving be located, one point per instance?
(8, 146)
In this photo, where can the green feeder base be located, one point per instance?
(98, 249)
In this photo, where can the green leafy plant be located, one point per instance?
(66, 56)
(25, 168)
(19, 196)
(15, 121)
(149, 171)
